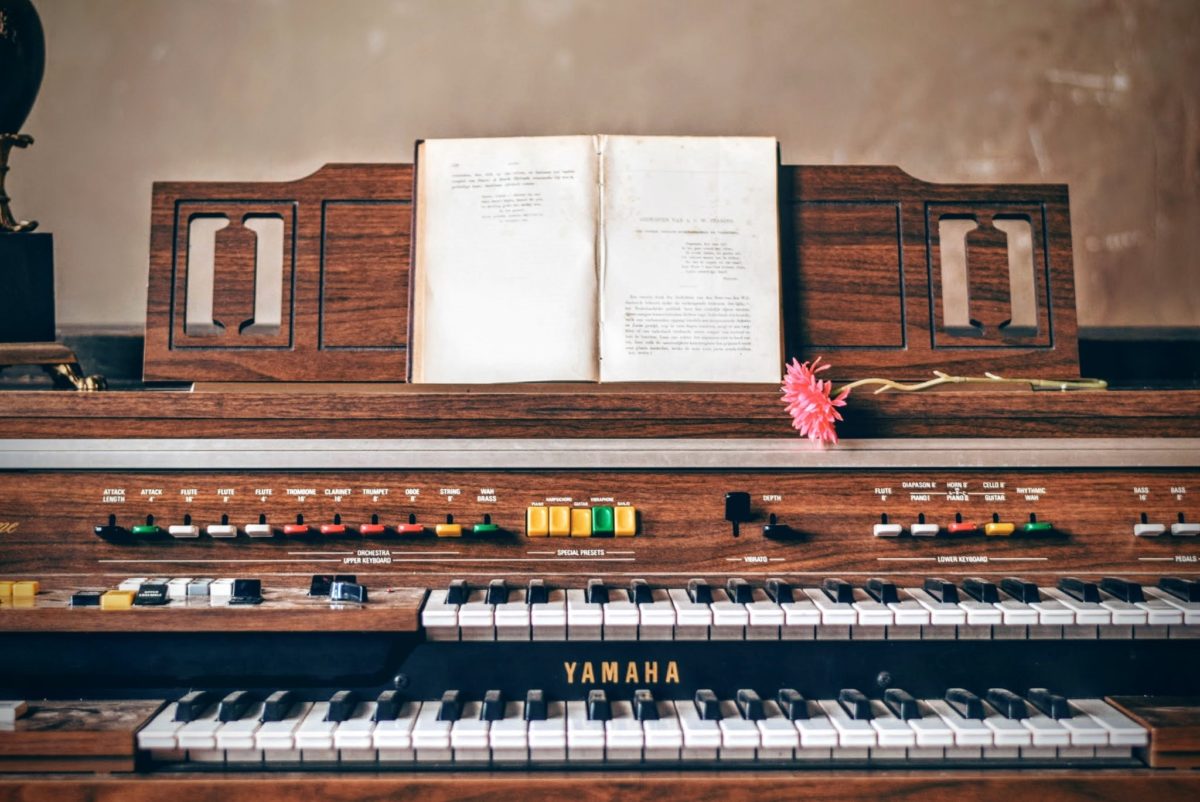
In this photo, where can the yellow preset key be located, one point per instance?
(560, 521)
(537, 522)
(581, 522)
(625, 523)
(999, 529)
(25, 590)
(117, 600)
(6, 589)
(448, 530)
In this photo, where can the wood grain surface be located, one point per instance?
(1174, 725)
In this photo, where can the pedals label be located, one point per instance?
(612, 672)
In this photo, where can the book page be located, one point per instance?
(690, 267)
(505, 283)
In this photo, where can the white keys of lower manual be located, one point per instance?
(1086, 613)
(548, 737)
(692, 620)
(1122, 730)
(968, 732)
(440, 620)
(1046, 731)
(778, 736)
(729, 619)
(1190, 610)
(981, 614)
(548, 621)
(585, 739)
(199, 737)
(701, 738)
(1017, 613)
(621, 616)
(512, 617)
(584, 621)
(944, 618)
(1052, 614)
(277, 739)
(1084, 730)
(1124, 613)
(509, 737)
(658, 617)
(623, 736)
(393, 739)
(664, 736)
(430, 737)
(237, 737)
(909, 614)
(1159, 613)
(1006, 731)
(469, 736)
(800, 618)
(851, 732)
(477, 618)
(314, 736)
(870, 612)
(354, 738)
(818, 736)
(890, 730)
(836, 619)
(765, 617)
(159, 736)
(740, 738)
(930, 729)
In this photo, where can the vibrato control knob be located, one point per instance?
(737, 509)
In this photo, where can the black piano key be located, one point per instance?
(1078, 589)
(493, 706)
(882, 591)
(246, 591)
(1187, 590)
(341, 706)
(234, 705)
(855, 703)
(450, 708)
(1020, 589)
(1053, 705)
(348, 592)
(598, 706)
(387, 706)
(750, 705)
(458, 592)
(965, 703)
(537, 592)
(535, 706)
(644, 706)
(779, 591)
(793, 704)
(277, 705)
(320, 584)
(639, 592)
(497, 592)
(838, 591)
(707, 705)
(596, 593)
(192, 705)
(902, 704)
(1007, 703)
(1123, 589)
(981, 590)
(943, 591)
(740, 591)
(699, 591)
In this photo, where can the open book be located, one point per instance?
(596, 258)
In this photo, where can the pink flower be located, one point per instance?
(808, 401)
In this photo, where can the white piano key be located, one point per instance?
(740, 738)
(1122, 730)
(1017, 613)
(890, 731)
(548, 738)
(1053, 617)
(1001, 752)
(314, 736)
(512, 617)
(584, 621)
(621, 616)
(818, 736)
(548, 621)
(393, 739)
(658, 616)
(1190, 610)
(729, 619)
(1045, 731)
(430, 737)
(1087, 614)
(477, 618)
(908, 613)
(277, 739)
(623, 736)
(981, 614)
(469, 736)
(1076, 752)
(220, 591)
(930, 729)
(1039, 753)
(800, 618)
(1114, 752)
(870, 612)
(1159, 613)
(941, 614)
(439, 619)
(177, 588)
(968, 732)
(765, 617)
(585, 739)
(159, 736)
(1124, 613)
(1006, 732)
(664, 736)
(778, 736)
(692, 620)
(199, 738)
(509, 737)
(701, 738)
(1084, 730)
(836, 619)
(851, 732)
(354, 738)
(237, 738)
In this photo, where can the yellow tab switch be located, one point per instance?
(117, 600)
(998, 529)
(625, 524)
(537, 522)
(448, 530)
(6, 589)
(25, 590)
(581, 522)
(560, 521)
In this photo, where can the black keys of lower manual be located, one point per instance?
(1007, 703)
(1020, 589)
(535, 706)
(981, 590)
(537, 592)
(793, 704)
(348, 592)
(277, 705)
(644, 706)
(967, 704)
(1123, 589)
(1187, 590)
(497, 592)
(699, 591)
(596, 593)
(1053, 705)
(192, 705)
(882, 591)
(902, 704)
(493, 706)
(458, 592)
(779, 591)
(740, 591)
(1080, 590)
(450, 708)
(838, 591)
(341, 706)
(707, 705)
(234, 705)
(598, 707)
(639, 592)
(387, 706)
(750, 705)
(943, 591)
(855, 703)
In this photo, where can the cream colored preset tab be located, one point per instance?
(597, 258)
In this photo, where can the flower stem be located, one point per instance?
(986, 378)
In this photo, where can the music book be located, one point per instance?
(596, 258)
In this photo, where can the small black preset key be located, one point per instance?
(1187, 590)
(497, 592)
(1020, 589)
(699, 591)
(151, 594)
(246, 591)
(1053, 705)
(458, 592)
(779, 591)
(793, 704)
(967, 704)
(535, 706)
(192, 705)
(341, 706)
(644, 706)
(1007, 703)
(981, 590)
(902, 704)
(234, 705)
(348, 592)
(450, 708)
(1079, 589)
(493, 706)
(707, 705)
(277, 705)
(750, 705)
(387, 706)
(941, 590)
(86, 598)
(740, 591)
(882, 591)
(640, 593)
(855, 703)
(537, 592)
(1123, 589)
(838, 591)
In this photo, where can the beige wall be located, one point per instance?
(1102, 95)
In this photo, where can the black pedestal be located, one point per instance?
(26, 288)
